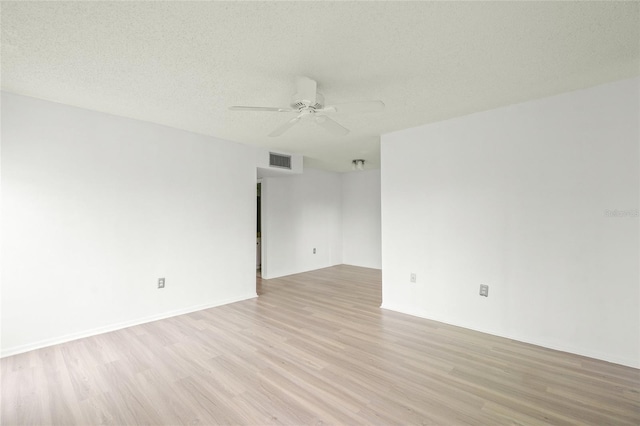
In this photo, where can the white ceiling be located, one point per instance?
(183, 64)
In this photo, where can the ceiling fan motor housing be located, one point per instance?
(300, 104)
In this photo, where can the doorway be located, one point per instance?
(259, 231)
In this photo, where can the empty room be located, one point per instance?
(306, 213)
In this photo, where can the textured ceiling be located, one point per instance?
(183, 64)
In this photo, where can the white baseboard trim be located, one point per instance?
(368, 266)
(118, 326)
(628, 362)
(287, 273)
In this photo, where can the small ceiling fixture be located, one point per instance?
(357, 165)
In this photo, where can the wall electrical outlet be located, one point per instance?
(413, 277)
(314, 250)
(484, 290)
(160, 282)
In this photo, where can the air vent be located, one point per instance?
(280, 161)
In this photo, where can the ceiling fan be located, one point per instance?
(309, 104)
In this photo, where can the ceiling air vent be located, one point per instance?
(280, 161)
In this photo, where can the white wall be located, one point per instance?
(361, 229)
(95, 208)
(516, 198)
(299, 213)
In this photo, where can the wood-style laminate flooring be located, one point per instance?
(314, 348)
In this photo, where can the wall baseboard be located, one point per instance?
(118, 326)
(292, 272)
(627, 362)
(362, 265)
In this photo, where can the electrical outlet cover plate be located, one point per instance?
(484, 290)
(413, 277)
(160, 282)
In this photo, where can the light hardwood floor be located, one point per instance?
(314, 348)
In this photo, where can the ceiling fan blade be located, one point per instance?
(331, 125)
(286, 126)
(306, 90)
(256, 108)
(354, 107)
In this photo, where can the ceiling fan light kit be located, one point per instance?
(309, 104)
